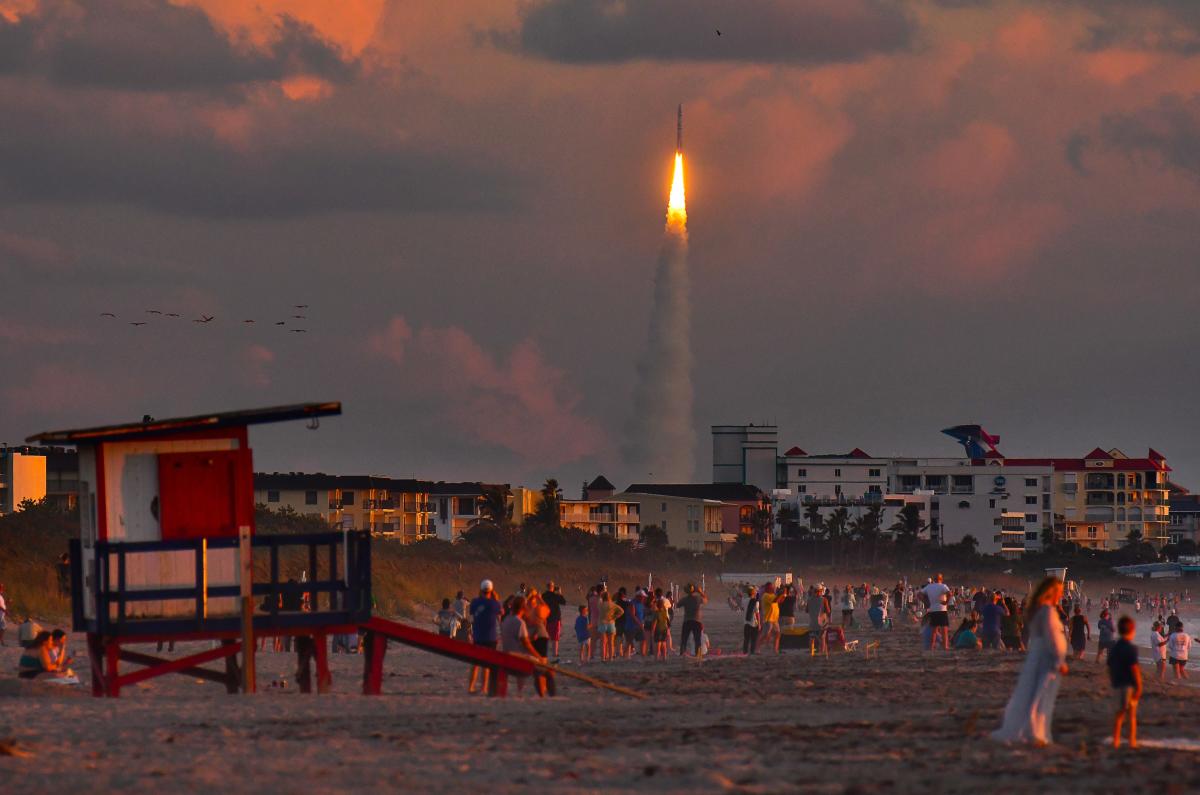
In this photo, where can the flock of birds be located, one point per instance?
(204, 319)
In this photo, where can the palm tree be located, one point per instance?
(835, 528)
(813, 514)
(908, 525)
(547, 514)
(494, 507)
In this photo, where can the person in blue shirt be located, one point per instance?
(485, 628)
(993, 615)
(583, 634)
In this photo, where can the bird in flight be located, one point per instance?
(153, 312)
(299, 331)
(280, 322)
(204, 319)
(718, 32)
(299, 317)
(247, 321)
(107, 314)
(300, 306)
(172, 314)
(137, 322)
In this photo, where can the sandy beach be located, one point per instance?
(903, 720)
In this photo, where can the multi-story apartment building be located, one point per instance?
(22, 476)
(1096, 501)
(1185, 517)
(746, 454)
(853, 475)
(979, 499)
(689, 522)
(739, 502)
(387, 507)
(619, 519)
(456, 507)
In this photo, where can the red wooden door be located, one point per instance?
(204, 495)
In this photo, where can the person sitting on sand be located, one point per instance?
(58, 650)
(966, 638)
(37, 660)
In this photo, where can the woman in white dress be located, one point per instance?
(1030, 709)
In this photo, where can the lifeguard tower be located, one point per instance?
(167, 552)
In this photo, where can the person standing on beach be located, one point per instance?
(1177, 649)
(462, 608)
(3, 614)
(1126, 677)
(992, 616)
(514, 639)
(556, 602)
(752, 623)
(485, 628)
(937, 594)
(1081, 633)
(693, 612)
(1107, 632)
(1158, 647)
(769, 606)
(787, 608)
(848, 605)
(610, 613)
(1030, 710)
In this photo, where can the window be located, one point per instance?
(310, 497)
(1031, 518)
(873, 473)
(1031, 483)
(874, 489)
(664, 525)
(837, 473)
(1092, 532)
(1031, 500)
(663, 508)
(963, 482)
(991, 503)
(1031, 536)
(801, 473)
(837, 490)
(802, 489)
(347, 498)
(964, 504)
(272, 496)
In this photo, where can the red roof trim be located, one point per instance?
(795, 451)
(857, 453)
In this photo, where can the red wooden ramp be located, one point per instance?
(380, 631)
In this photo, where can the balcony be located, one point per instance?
(1099, 498)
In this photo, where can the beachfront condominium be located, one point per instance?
(385, 507)
(1097, 501)
(690, 523)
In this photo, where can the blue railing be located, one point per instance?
(347, 586)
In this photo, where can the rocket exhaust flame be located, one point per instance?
(661, 438)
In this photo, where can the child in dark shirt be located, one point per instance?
(583, 634)
(1126, 677)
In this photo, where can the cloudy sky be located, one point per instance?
(904, 215)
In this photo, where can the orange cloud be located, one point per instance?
(349, 23)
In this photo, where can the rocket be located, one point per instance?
(679, 130)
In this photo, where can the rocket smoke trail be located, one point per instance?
(662, 440)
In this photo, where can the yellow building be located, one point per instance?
(387, 507)
(690, 523)
(22, 477)
(1102, 498)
